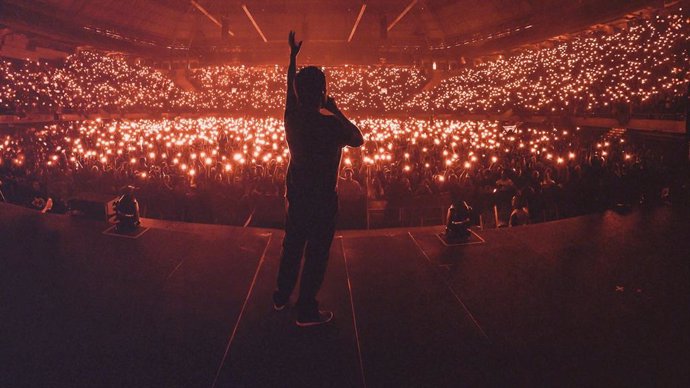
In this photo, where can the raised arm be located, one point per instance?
(291, 100)
(353, 136)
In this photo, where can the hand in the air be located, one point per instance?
(294, 46)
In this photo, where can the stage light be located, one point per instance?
(127, 211)
(459, 221)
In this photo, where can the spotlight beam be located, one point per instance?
(402, 15)
(256, 26)
(211, 17)
(359, 18)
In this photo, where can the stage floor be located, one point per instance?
(600, 300)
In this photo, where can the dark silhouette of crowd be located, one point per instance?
(229, 165)
(637, 71)
(207, 170)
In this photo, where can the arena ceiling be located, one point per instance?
(339, 30)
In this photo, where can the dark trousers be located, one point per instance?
(309, 229)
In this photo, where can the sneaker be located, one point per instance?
(322, 317)
(278, 305)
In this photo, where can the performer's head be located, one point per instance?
(310, 87)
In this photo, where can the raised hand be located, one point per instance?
(294, 46)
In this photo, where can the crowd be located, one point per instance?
(85, 82)
(222, 170)
(27, 86)
(256, 89)
(638, 70)
(374, 89)
(230, 166)
(89, 82)
(179, 166)
(363, 89)
(643, 68)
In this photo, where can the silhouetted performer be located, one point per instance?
(315, 141)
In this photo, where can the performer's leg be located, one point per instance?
(291, 256)
(316, 259)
